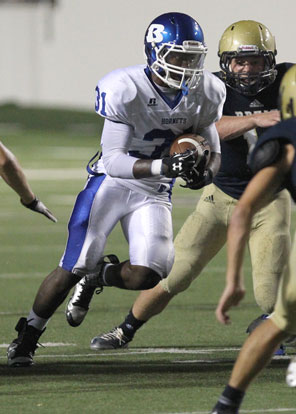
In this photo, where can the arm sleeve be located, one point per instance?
(210, 133)
(214, 99)
(116, 138)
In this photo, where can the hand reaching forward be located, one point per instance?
(231, 296)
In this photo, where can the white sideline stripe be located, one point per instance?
(54, 344)
(49, 174)
(268, 410)
(143, 351)
(136, 351)
(216, 361)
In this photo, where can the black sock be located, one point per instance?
(230, 397)
(113, 278)
(131, 325)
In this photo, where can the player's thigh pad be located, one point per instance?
(97, 210)
(148, 229)
(200, 238)
(284, 315)
(269, 245)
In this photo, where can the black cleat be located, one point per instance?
(114, 339)
(22, 349)
(78, 304)
(256, 322)
(281, 351)
(218, 409)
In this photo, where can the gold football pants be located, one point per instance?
(204, 233)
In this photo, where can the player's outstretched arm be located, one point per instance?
(13, 175)
(230, 127)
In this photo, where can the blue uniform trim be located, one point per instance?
(78, 223)
(91, 162)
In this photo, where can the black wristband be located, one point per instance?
(31, 205)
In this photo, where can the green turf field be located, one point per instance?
(179, 361)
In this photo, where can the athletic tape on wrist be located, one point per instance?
(156, 167)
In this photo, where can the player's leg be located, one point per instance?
(253, 357)
(149, 233)
(269, 245)
(262, 343)
(284, 315)
(84, 252)
(202, 235)
(56, 285)
(127, 206)
(50, 295)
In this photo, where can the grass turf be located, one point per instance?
(179, 362)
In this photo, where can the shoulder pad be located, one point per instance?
(265, 155)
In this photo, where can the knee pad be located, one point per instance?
(265, 296)
(180, 278)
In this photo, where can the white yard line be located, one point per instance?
(138, 351)
(56, 174)
(269, 410)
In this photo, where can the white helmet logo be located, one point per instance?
(155, 33)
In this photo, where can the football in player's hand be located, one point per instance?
(192, 142)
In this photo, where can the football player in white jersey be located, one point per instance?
(145, 109)
(247, 53)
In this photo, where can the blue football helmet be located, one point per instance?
(175, 50)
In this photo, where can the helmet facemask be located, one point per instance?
(248, 83)
(179, 66)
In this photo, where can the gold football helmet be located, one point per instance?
(247, 38)
(288, 94)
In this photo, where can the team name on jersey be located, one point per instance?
(170, 121)
(243, 113)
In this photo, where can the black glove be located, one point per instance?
(198, 176)
(195, 180)
(37, 205)
(177, 164)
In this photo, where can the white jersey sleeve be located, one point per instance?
(114, 93)
(210, 133)
(116, 160)
(214, 95)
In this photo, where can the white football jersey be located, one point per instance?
(130, 97)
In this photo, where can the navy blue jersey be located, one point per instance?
(234, 173)
(285, 130)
